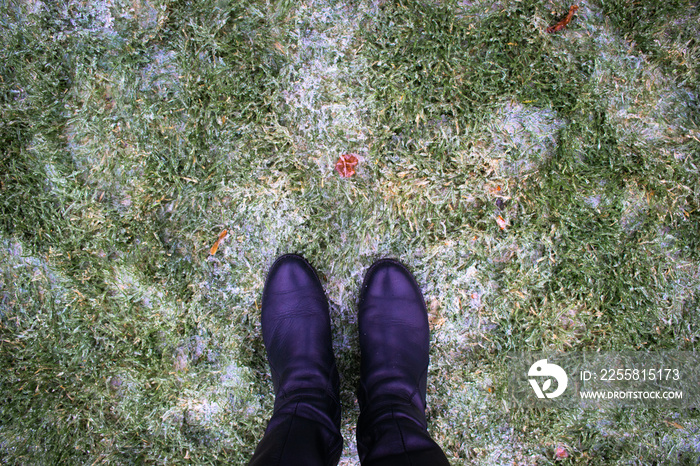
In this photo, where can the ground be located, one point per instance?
(543, 188)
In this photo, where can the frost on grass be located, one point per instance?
(88, 19)
(102, 19)
(649, 107)
(43, 280)
(102, 145)
(652, 116)
(213, 409)
(525, 135)
(268, 225)
(34, 7)
(126, 282)
(679, 444)
(480, 432)
(635, 208)
(114, 178)
(327, 114)
(478, 9)
(146, 15)
(161, 74)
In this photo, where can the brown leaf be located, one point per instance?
(674, 424)
(435, 320)
(562, 24)
(346, 165)
(215, 248)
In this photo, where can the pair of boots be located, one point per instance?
(394, 344)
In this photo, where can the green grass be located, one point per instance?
(133, 133)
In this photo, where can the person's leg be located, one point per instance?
(305, 425)
(394, 345)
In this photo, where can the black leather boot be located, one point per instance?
(394, 345)
(304, 429)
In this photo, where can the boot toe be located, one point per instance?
(288, 275)
(388, 279)
(391, 295)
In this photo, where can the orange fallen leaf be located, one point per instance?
(501, 222)
(562, 24)
(214, 248)
(674, 424)
(346, 165)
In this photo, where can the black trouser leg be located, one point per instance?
(301, 432)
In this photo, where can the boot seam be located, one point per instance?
(403, 440)
(289, 430)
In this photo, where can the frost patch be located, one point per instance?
(144, 12)
(87, 19)
(114, 174)
(597, 199)
(487, 436)
(162, 74)
(13, 259)
(126, 282)
(210, 407)
(34, 7)
(28, 288)
(652, 109)
(647, 105)
(527, 135)
(234, 376)
(455, 305)
(201, 412)
(193, 412)
(323, 103)
(634, 212)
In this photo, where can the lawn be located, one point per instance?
(544, 188)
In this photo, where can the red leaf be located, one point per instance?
(562, 24)
(560, 452)
(346, 165)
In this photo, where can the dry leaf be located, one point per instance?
(674, 424)
(214, 248)
(501, 222)
(562, 24)
(346, 165)
(434, 318)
